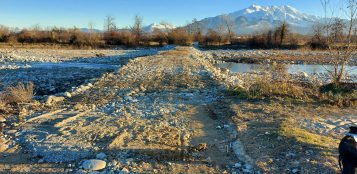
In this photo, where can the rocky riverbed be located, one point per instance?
(170, 113)
(63, 55)
(281, 56)
(56, 71)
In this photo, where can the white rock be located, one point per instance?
(94, 164)
(304, 74)
(67, 94)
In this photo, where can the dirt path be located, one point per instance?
(152, 116)
(205, 131)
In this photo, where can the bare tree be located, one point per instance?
(340, 32)
(109, 23)
(284, 29)
(4, 33)
(91, 31)
(137, 29)
(167, 29)
(221, 33)
(230, 26)
(196, 30)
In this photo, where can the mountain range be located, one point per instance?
(251, 20)
(262, 18)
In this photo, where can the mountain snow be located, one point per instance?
(161, 26)
(287, 13)
(261, 18)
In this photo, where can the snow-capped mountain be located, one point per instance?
(161, 26)
(259, 18)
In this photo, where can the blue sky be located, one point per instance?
(69, 13)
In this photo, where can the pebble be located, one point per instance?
(2, 119)
(3, 147)
(67, 94)
(13, 131)
(237, 165)
(53, 99)
(94, 164)
(295, 171)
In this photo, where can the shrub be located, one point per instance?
(21, 93)
(4, 33)
(179, 36)
(344, 94)
(275, 82)
(318, 44)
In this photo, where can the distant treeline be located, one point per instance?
(280, 37)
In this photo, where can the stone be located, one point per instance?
(304, 74)
(67, 94)
(124, 171)
(248, 166)
(12, 131)
(3, 147)
(53, 99)
(2, 119)
(94, 164)
(295, 171)
(237, 165)
(101, 156)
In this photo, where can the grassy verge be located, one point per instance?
(276, 83)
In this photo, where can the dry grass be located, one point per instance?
(21, 93)
(304, 136)
(274, 83)
(271, 130)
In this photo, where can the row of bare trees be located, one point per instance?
(279, 37)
